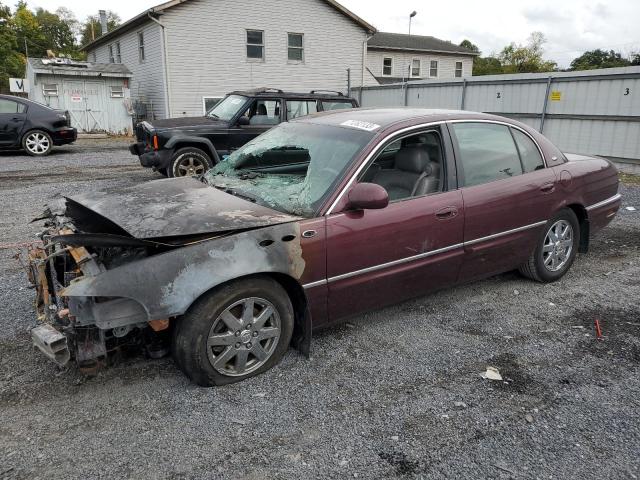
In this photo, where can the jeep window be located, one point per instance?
(332, 105)
(300, 108)
(227, 108)
(292, 167)
(255, 44)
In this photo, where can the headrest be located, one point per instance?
(412, 159)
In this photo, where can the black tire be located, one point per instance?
(536, 267)
(189, 161)
(37, 143)
(190, 344)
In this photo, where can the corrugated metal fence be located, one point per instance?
(593, 112)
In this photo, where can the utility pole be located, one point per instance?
(411, 15)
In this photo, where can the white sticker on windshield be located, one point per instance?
(235, 101)
(369, 127)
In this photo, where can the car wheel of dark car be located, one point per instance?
(37, 143)
(235, 332)
(188, 162)
(556, 249)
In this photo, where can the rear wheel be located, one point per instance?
(37, 143)
(189, 161)
(236, 332)
(556, 249)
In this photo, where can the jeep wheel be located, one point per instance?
(188, 162)
(235, 332)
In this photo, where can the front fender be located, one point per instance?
(176, 140)
(168, 283)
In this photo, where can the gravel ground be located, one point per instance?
(393, 394)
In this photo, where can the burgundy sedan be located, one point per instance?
(316, 220)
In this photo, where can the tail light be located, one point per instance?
(155, 142)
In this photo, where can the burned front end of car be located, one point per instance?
(87, 329)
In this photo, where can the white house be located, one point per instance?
(186, 54)
(397, 57)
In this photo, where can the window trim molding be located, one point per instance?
(112, 58)
(455, 69)
(302, 48)
(411, 75)
(247, 44)
(390, 74)
(437, 75)
(142, 54)
(118, 52)
(57, 94)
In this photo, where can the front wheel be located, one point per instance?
(189, 161)
(556, 249)
(37, 143)
(236, 332)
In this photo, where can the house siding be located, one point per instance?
(206, 44)
(402, 60)
(147, 83)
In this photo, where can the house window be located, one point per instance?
(458, 69)
(433, 70)
(141, 55)
(415, 67)
(209, 102)
(118, 56)
(255, 44)
(387, 66)
(296, 47)
(117, 92)
(111, 57)
(50, 89)
(93, 57)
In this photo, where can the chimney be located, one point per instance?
(103, 21)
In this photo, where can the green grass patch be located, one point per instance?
(629, 179)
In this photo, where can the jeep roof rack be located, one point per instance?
(266, 90)
(335, 92)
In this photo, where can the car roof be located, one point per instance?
(314, 94)
(386, 117)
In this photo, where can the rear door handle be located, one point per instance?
(446, 213)
(548, 188)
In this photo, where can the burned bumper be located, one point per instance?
(84, 329)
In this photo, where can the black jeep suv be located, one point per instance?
(191, 145)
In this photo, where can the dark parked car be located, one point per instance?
(317, 220)
(32, 126)
(186, 146)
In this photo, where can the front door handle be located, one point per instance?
(446, 213)
(548, 188)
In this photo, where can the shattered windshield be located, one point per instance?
(291, 168)
(226, 108)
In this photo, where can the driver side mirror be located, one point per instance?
(242, 121)
(367, 196)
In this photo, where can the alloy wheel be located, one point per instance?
(243, 337)
(37, 143)
(558, 244)
(190, 166)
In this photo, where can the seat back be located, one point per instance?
(403, 181)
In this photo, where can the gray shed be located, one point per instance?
(95, 94)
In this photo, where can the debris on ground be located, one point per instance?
(460, 405)
(492, 373)
(598, 330)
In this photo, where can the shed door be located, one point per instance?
(94, 101)
(74, 102)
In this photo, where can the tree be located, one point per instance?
(635, 58)
(526, 58)
(91, 28)
(58, 32)
(12, 64)
(600, 59)
(487, 66)
(469, 46)
(28, 31)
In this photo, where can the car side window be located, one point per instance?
(335, 105)
(486, 152)
(300, 108)
(264, 112)
(529, 153)
(9, 106)
(408, 167)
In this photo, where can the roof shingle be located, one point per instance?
(402, 41)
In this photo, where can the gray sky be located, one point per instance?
(571, 26)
